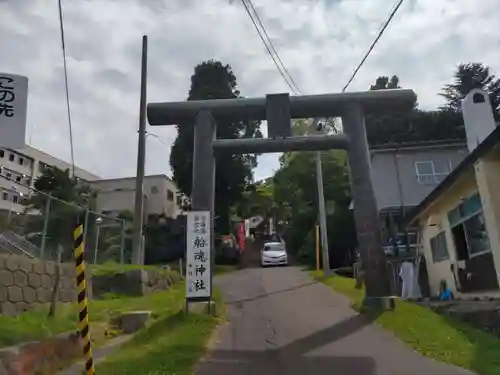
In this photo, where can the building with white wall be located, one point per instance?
(161, 195)
(20, 168)
(459, 221)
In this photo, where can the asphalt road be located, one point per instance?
(282, 323)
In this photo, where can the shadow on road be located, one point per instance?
(292, 358)
(263, 295)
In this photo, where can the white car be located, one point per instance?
(273, 253)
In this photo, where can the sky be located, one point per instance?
(319, 41)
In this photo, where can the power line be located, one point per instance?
(288, 80)
(271, 45)
(63, 45)
(372, 46)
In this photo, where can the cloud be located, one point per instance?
(320, 41)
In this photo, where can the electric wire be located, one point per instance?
(374, 43)
(68, 107)
(271, 45)
(269, 50)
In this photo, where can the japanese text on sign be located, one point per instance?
(7, 96)
(198, 257)
(13, 103)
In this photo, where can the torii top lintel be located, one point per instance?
(307, 106)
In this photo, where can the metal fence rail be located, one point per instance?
(36, 223)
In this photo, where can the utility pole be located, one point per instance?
(137, 254)
(45, 224)
(321, 205)
(322, 215)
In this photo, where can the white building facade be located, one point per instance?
(161, 196)
(20, 168)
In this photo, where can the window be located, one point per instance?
(424, 167)
(439, 248)
(477, 236)
(274, 247)
(179, 200)
(2, 153)
(15, 199)
(8, 175)
(170, 195)
(429, 172)
(21, 160)
(11, 157)
(19, 178)
(469, 207)
(154, 189)
(5, 196)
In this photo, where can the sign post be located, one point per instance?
(198, 257)
(13, 105)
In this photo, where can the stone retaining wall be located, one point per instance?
(133, 282)
(26, 283)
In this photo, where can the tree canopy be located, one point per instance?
(472, 76)
(66, 193)
(214, 80)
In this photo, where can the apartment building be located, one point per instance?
(161, 196)
(404, 174)
(20, 168)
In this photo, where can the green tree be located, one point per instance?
(257, 199)
(110, 240)
(213, 80)
(413, 126)
(384, 83)
(67, 194)
(295, 194)
(472, 76)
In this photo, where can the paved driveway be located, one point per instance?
(282, 323)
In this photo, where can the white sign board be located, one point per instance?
(13, 104)
(198, 255)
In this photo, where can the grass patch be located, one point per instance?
(172, 345)
(35, 324)
(110, 268)
(430, 334)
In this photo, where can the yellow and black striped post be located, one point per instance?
(81, 289)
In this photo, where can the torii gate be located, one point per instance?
(278, 110)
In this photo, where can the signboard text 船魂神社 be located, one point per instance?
(198, 257)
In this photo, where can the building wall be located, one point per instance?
(435, 220)
(23, 167)
(386, 165)
(487, 172)
(115, 195)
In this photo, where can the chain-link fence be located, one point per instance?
(38, 225)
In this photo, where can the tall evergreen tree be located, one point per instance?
(471, 76)
(213, 80)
